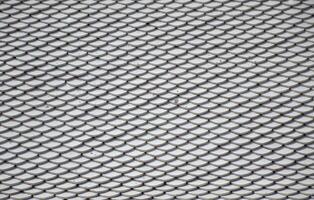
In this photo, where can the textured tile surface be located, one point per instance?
(157, 99)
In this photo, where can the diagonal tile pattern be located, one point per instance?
(184, 99)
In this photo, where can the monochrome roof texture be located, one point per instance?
(167, 99)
